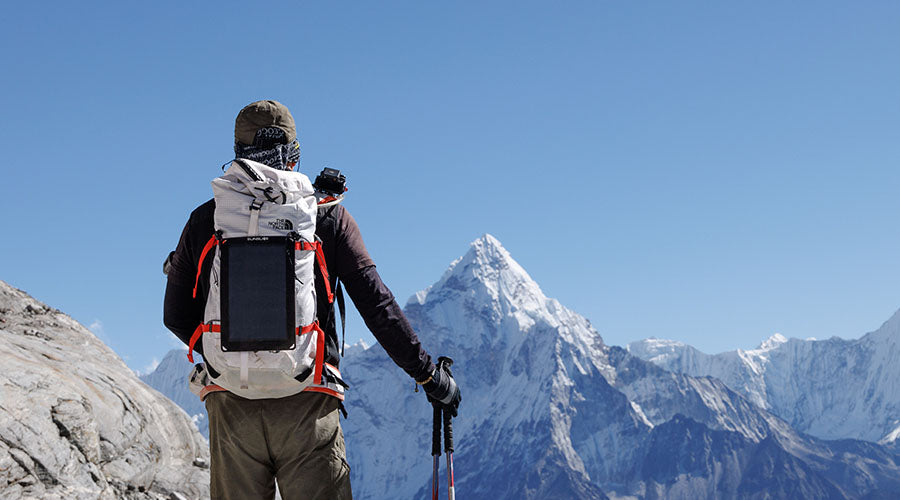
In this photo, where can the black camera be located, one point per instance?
(330, 181)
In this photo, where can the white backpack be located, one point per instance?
(258, 204)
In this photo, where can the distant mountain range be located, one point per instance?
(170, 378)
(550, 411)
(831, 389)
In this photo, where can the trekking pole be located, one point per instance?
(445, 362)
(448, 448)
(436, 449)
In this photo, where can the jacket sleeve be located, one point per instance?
(383, 316)
(181, 311)
(376, 303)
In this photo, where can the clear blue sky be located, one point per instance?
(704, 171)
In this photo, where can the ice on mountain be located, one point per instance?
(832, 389)
(772, 342)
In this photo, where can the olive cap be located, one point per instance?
(262, 114)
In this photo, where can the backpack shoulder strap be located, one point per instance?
(327, 223)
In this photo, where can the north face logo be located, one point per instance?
(281, 224)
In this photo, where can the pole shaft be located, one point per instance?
(436, 451)
(435, 487)
(451, 483)
(448, 449)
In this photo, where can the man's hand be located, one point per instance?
(442, 388)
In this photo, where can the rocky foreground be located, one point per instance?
(76, 423)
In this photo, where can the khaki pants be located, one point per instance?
(297, 439)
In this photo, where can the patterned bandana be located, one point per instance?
(269, 149)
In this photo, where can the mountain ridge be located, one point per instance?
(833, 388)
(549, 410)
(544, 396)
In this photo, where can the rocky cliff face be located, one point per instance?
(831, 389)
(75, 422)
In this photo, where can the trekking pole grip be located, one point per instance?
(436, 431)
(448, 432)
(445, 361)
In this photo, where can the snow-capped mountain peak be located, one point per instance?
(487, 284)
(488, 272)
(545, 398)
(772, 342)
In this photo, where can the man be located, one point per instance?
(296, 439)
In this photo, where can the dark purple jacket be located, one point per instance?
(347, 259)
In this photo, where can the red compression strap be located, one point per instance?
(320, 257)
(324, 390)
(194, 338)
(308, 328)
(213, 241)
(201, 329)
(320, 348)
(320, 354)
